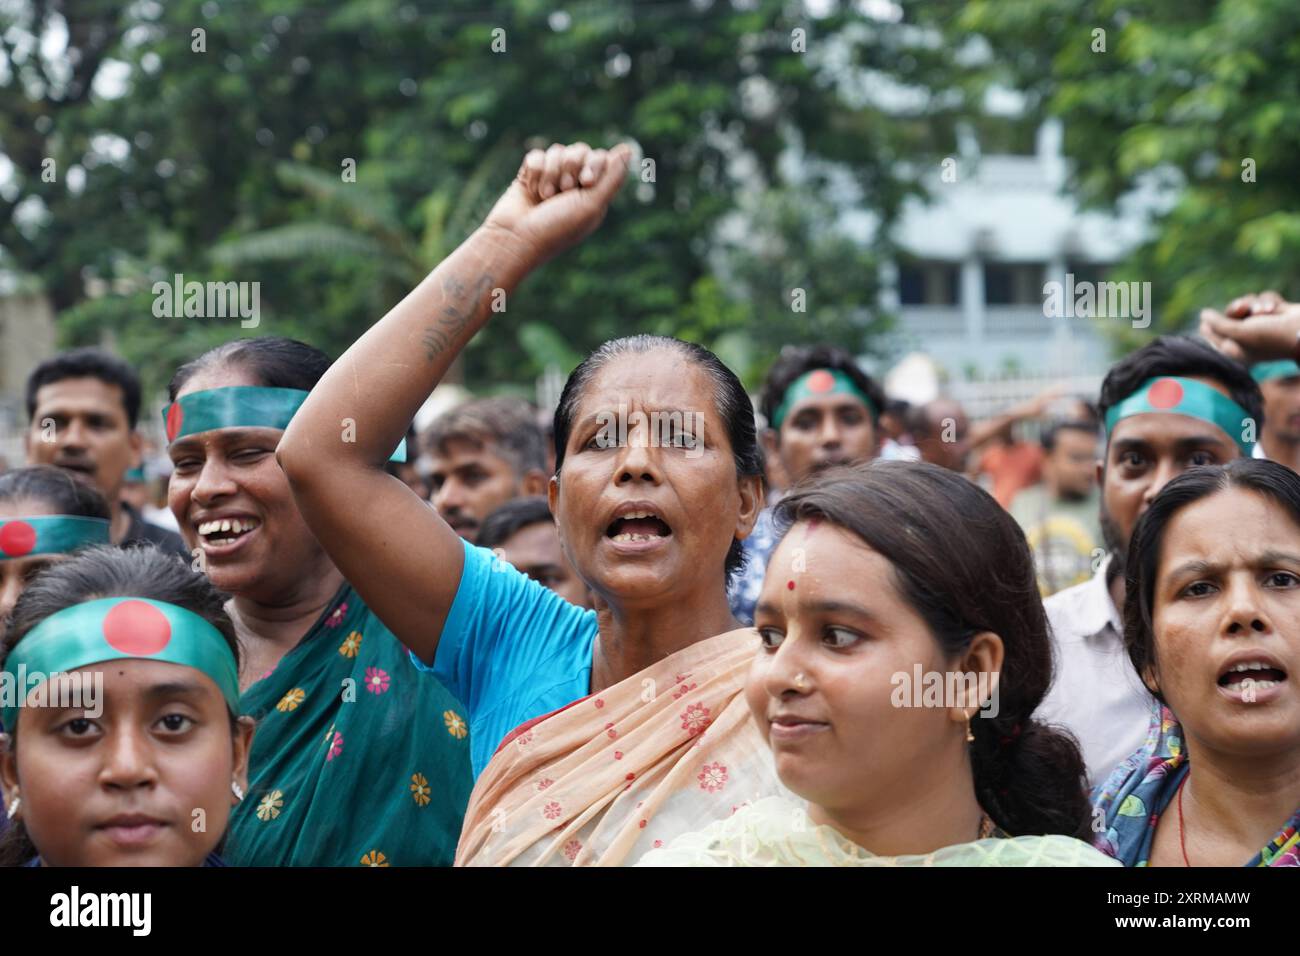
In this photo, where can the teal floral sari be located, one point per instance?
(358, 759)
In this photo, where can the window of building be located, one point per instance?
(1013, 283)
(928, 282)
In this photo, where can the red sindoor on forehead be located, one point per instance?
(137, 628)
(16, 539)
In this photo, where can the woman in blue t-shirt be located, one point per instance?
(657, 479)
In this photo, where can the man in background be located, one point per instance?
(1060, 514)
(522, 532)
(484, 453)
(83, 407)
(1279, 439)
(1171, 405)
(822, 410)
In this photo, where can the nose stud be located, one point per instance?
(800, 682)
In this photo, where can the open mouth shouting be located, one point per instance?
(226, 533)
(637, 526)
(1251, 677)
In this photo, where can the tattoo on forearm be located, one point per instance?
(460, 307)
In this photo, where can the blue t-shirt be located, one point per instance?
(511, 650)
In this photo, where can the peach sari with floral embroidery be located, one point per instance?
(616, 774)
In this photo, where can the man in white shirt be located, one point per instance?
(1172, 405)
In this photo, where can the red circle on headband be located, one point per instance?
(137, 628)
(174, 418)
(821, 381)
(1165, 393)
(17, 538)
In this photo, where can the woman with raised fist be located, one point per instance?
(620, 719)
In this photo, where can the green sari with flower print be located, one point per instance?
(358, 759)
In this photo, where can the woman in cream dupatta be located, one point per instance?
(658, 479)
(614, 775)
(907, 569)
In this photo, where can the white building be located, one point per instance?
(27, 337)
(970, 291)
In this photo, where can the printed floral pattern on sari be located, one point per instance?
(713, 777)
(351, 644)
(598, 785)
(455, 724)
(336, 746)
(377, 680)
(270, 805)
(334, 754)
(420, 789)
(291, 700)
(695, 718)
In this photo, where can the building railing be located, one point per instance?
(925, 321)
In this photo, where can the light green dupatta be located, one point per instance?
(777, 832)
(358, 758)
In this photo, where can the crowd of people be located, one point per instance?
(664, 627)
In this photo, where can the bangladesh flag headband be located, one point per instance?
(1265, 371)
(1185, 396)
(120, 628)
(49, 534)
(818, 382)
(239, 406)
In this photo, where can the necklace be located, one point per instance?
(1182, 837)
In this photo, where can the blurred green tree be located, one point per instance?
(1194, 104)
(219, 150)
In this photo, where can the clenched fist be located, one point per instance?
(1254, 328)
(559, 197)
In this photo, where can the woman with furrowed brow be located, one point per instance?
(1210, 624)
(597, 734)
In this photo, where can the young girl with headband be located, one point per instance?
(44, 515)
(121, 696)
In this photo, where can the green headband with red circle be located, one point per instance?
(239, 406)
(113, 629)
(818, 383)
(49, 534)
(1267, 371)
(1185, 396)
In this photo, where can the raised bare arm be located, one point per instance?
(402, 558)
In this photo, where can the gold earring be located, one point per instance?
(12, 809)
(237, 790)
(970, 737)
